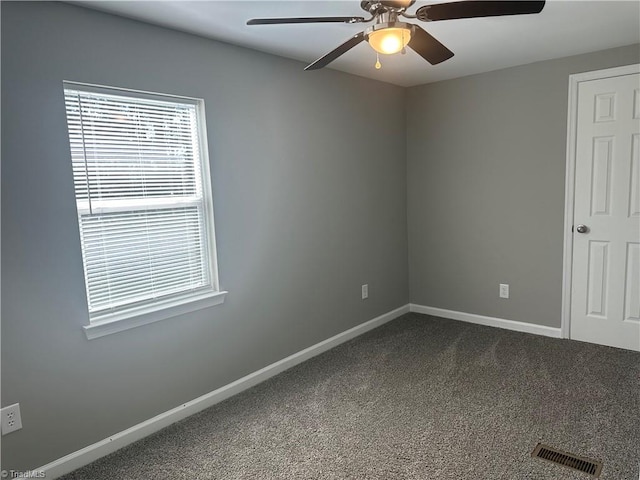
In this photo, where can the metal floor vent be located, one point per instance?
(582, 464)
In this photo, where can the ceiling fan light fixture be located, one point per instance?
(389, 40)
(387, 35)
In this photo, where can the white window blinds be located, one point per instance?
(142, 197)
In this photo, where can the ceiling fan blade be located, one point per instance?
(477, 8)
(428, 47)
(279, 21)
(332, 55)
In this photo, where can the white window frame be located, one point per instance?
(170, 306)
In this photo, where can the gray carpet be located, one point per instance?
(418, 398)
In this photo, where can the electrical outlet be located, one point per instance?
(504, 290)
(365, 291)
(11, 420)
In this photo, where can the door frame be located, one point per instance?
(572, 126)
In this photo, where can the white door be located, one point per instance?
(605, 293)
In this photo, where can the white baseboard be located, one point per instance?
(488, 321)
(109, 445)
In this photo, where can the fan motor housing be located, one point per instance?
(373, 6)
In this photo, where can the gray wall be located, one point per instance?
(486, 171)
(309, 204)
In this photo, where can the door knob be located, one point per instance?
(582, 229)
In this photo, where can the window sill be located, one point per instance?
(119, 322)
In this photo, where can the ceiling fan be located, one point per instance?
(387, 35)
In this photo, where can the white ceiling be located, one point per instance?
(563, 28)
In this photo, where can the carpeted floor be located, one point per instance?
(418, 398)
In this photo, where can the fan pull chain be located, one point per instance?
(378, 64)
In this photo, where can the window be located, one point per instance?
(141, 176)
